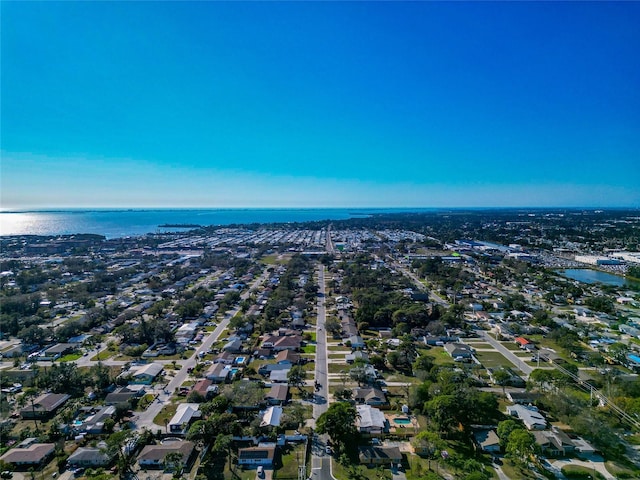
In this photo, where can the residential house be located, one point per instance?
(459, 350)
(266, 369)
(122, 395)
(523, 398)
(185, 414)
(525, 344)
(256, 456)
(379, 455)
(89, 457)
(284, 342)
(44, 406)
(279, 376)
(202, 387)
(94, 423)
(57, 351)
(368, 372)
(234, 344)
(225, 357)
(530, 416)
(29, 454)
(371, 396)
(271, 417)
(356, 341)
(357, 355)
(153, 456)
(278, 395)
(487, 441)
(554, 442)
(146, 374)
(370, 420)
(288, 357)
(218, 373)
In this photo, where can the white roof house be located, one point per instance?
(147, 373)
(271, 417)
(371, 420)
(531, 418)
(183, 416)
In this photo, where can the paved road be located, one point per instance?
(329, 247)
(145, 419)
(320, 461)
(517, 362)
(433, 296)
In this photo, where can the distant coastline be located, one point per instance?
(180, 225)
(117, 223)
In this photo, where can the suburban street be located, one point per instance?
(320, 461)
(517, 362)
(145, 419)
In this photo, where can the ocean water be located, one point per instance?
(122, 223)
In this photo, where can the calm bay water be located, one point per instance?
(587, 275)
(121, 223)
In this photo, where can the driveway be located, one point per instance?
(595, 463)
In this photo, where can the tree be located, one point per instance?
(297, 377)
(339, 423)
(502, 378)
(444, 411)
(505, 428)
(521, 444)
(294, 415)
(618, 351)
(173, 461)
(428, 443)
(32, 335)
(223, 443)
(121, 446)
(423, 363)
(333, 326)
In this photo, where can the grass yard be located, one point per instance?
(167, 412)
(440, 357)
(144, 402)
(335, 367)
(287, 467)
(309, 349)
(492, 359)
(619, 470)
(513, 471)
(70, 357)
(104, 355)
(578, 471)
(510, 346)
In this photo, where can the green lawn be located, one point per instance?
(337, 367)
(513, 471)
(144, 402)
(104, 355)
(70, 357)
(309, 349)
(578, 471)
(440, 357)
(492, 359)
(167, 412)
(510, 345)
(288, 466)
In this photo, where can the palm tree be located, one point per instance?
(173, 461)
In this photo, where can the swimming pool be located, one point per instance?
(402, 421)
(240, 360)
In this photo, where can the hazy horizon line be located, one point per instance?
(55, 209)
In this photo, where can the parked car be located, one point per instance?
(260, 471)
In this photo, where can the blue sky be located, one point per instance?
(381, 104)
